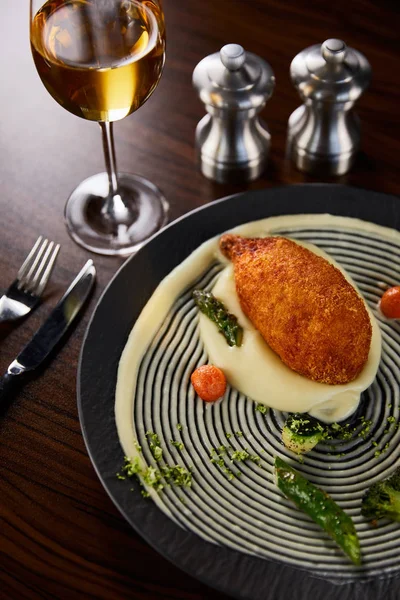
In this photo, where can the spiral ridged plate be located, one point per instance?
(238, 504)
(242, 536)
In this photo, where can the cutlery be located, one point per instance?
(25, 292)
(50, 333)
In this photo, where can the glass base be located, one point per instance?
(119, 226)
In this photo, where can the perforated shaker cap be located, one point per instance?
(234, 79)
(331, 72)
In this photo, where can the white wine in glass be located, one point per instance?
(101, 60)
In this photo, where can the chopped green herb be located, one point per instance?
(178, 475)
(229, 473)
(261, 408)
(228, 435)
(154, 444)
(179, 426)
(152, 477)
(157, 452)
(240, 455)
(239, 433)
(144, 493)
(217, 458)
(382, 450)
(131, 467)
(177, 444)
(337, 431)
(365, 428)
(254, 458)
(345, 432)
(156, 478)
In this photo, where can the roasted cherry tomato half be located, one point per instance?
(390, 303)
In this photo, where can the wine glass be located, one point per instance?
(101, 60)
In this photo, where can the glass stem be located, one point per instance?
(109, 155)
(114, 209)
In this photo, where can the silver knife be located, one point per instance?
(51, 332)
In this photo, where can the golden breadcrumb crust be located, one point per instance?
(302, 305)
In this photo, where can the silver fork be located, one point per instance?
(25, 292)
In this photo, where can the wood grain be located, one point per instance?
(60, 535)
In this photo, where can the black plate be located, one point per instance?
(240, 575)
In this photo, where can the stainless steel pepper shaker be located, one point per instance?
(232, 142)
(324, 133)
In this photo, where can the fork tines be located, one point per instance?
(37, 267)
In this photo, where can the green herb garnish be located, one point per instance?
(177, 475)
(155, 446)
(154, 477)
(240, 455)
(219, 455)
(177, 444)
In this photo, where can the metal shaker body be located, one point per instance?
(232, 143)
(324, 133)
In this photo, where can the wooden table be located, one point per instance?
(60, 535)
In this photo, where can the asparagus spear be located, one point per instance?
(215, 310)
(320, 507)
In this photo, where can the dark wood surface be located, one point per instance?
(60, 535)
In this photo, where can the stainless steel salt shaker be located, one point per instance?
(324, 133)
(232, 142)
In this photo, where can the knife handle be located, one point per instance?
(9, 385)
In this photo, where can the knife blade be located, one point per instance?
(50, 333)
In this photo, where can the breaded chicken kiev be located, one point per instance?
(303, 306)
